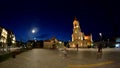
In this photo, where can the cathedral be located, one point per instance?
(79, 38)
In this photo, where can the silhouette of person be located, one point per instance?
(77, 47)
(100, 48)
(65, 52)
(14, 55)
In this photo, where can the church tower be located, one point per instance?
(76, 30)
(78, 37)
(76, 26)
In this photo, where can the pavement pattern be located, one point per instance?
(48, 58)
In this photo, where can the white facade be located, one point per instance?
(3, 38)
(78, 37)
(13, 39)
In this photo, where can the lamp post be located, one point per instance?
(33, 32)
(100, 36)
(100, 45)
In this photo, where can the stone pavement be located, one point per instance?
(47, 58)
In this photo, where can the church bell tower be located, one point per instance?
(76, 30)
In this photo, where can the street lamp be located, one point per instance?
(35, 39)
(33, 32)
(100, 36)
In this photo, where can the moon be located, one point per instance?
(33, 31)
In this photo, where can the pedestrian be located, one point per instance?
(14, 55)
(77, 47)
(100, 48)
(65, 52)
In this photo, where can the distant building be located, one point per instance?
(35, 44)
(48, 44)
(11, 40)
(78, 37)
(39, 44)
(51, 43)
(117, 45)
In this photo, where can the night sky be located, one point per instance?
(55, 18)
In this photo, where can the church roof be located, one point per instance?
(75, 18)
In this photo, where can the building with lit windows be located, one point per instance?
(50, 43)
(78, 37)
(3, 37)
(11, 40)
(6, 37)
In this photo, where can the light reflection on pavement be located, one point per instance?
(47, 58)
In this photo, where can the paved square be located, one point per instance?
(48, 58)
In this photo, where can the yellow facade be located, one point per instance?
(4, 36)
(78, 37)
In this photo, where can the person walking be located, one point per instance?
(14, 55)
(77, 47)
(100, 48)
(65, 52)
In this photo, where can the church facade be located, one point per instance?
(79, 38)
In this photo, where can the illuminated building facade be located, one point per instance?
(5, 37)
(78, 37)
(11, 40)
(52, 43)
